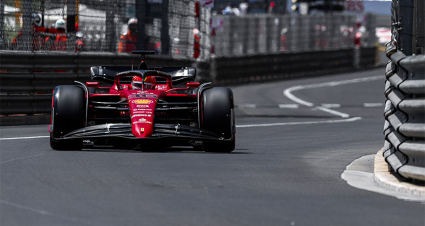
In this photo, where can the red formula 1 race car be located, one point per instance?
(142, 108)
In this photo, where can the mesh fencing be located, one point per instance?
(260, 34)
(170, 27)
(165, 26)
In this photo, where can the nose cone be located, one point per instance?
(142, 116)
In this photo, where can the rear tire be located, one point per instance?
(217, 117)
(68, 114)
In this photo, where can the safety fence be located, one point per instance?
(172, 27)
(166, 26)
(264, 33)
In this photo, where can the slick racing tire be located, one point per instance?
(218, 117)
(68, 114)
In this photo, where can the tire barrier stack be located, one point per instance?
(404, 130)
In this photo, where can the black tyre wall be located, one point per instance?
(68, 111)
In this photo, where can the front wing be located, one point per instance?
(161, 132)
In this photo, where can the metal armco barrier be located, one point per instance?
(368, 57)
(27, 79)
(273, 66)
(266, 67)
(404, 129)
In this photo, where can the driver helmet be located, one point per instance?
(149, 83)
(36, 19)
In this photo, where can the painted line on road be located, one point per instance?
(17, 138)
(330, 111)
(295, 106)
(331, 105)
(288, 106)
(289, 95)
(373, 105)
(241, 126)
(300, 123)
(248, 106)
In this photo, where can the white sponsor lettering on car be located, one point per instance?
(142, 106)
(141, 115)
(142, 120)
(142, 112)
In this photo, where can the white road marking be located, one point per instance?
(288, 105)
(288, 92)
(238, 126)
(330, 111)
(331, 105)
(373, 105)
(248, 106)
(300, 123)
(17, 138)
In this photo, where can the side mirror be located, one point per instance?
(92, 84)
(192, 85)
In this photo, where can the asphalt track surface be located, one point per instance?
(284, 172)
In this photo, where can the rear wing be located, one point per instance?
(107, 74)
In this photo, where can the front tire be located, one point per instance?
(68, 114)
(218, 117)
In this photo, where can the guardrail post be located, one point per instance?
(110, 39)
(255, 33)
(27, 26)
(293, 31)
(245, 35)
(269, 33)
(356, 62)
(165, 35)
(420, 27)
(285, 38)
(2, 45)
(141, 8)
(232, 30)
(406, 18)
(70, 14)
